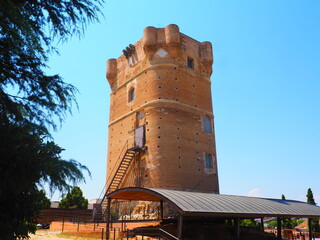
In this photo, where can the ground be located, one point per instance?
(46, 234)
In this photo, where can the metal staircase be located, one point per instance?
(120, 169)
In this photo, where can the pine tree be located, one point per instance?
(314, 221)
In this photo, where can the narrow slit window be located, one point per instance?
(190, 63)
(131, 94)
(208, 161)
(207, 126)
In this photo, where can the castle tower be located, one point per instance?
(161, 109)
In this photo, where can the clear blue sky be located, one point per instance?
(265, 87)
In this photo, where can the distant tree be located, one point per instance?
(287, 222)
(310, 198)
(42, 200)
(272, 224)
(314, 221)
(74, 199)
(248, 223)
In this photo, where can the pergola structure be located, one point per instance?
(218, 205)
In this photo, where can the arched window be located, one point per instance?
(207, 127)
(131, 94)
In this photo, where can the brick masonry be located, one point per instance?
(163, 83)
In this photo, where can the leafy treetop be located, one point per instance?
(74, 199)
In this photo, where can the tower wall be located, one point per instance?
(169, 74)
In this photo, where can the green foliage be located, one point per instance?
(74, 199)
(314, 221)
(309, 196)
(26, 161)
(30, 102)
(248, 223)
(283, 197)
(42, 200)
(272, 225)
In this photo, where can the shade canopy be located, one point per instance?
(211, 204)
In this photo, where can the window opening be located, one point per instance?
(190, 63)
(131, 94)
(208, 161)
(207, 124)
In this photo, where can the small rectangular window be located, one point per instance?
(208, 163)
(207, 127)
(190, 63)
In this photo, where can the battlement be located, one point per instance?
(160, 46)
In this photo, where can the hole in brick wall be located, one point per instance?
(179, 166)
(158, 136)
(178, 138)
(179, 157)
(176, 88)
(159, 97)
(179, 147)
(197, 133)
(145, 72)
(158, 127)
(175, 78)
(193, 85)
(177, 99)
(148, 129)
(195, 105)
(197, 152)
(158, 146)
(175, 68)
(147, 174)
(145, 101)
(159, 77)
(178, 128)
(178, 59)
(159, 86)
(199, 169)
(196, 142)
(160, 118)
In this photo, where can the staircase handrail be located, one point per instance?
(105, 189)
(167, 234)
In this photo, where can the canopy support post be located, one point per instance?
(279, 228)
(108, 219)
(180, 223)
(310, 228)
(237, 226)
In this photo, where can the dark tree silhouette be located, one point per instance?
(31, 102)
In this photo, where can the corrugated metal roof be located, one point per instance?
(197, 203)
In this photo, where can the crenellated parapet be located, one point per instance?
(161, 46)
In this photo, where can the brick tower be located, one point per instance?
(161, 131)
